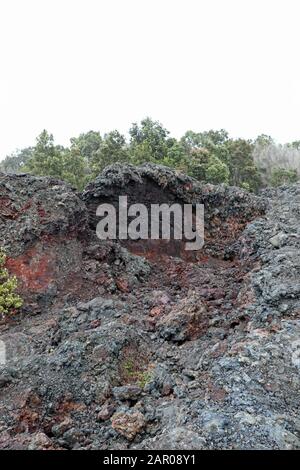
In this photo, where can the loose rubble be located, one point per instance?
(136, 345)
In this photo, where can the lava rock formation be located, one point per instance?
(137, 345)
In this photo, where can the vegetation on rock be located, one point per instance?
(9, 300)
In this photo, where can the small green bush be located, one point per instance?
(217, 172)
(132, 374)
(9, 300)
(281, 176)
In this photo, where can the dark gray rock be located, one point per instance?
(164, 353)
(127, 392)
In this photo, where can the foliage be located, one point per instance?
(47, 158)
(74, 168)
(148, 141)
(16, 162)
(87, 144)
(112, 149)
(269, 158)
(207, 167)
(205, 139)
(197, 163)
(294, 145)
(264, 140)
(133, 374)
(9, 300)
(241, 164)
(283, 176)
(217, 171)
(210, 156)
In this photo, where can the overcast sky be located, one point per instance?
(74, 65)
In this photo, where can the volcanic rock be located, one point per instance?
(167, 350)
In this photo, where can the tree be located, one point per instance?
(47, 158)
(209, 156)
(295, 144)
(241, 164)
(205, 139)
(192, 140)
(75, 170)
(16, 162)
(217, 171)
(87, 143)
(176, 156)
(206, 167)
(276, 156)
(264, 140)
(282, 176)
(53, 160)
(197, 163)
(112, 149)
(212, 143)
(217, 137)
(148, 141)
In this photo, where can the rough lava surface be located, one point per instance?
(141, 345)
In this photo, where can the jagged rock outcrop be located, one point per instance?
(165, 353)
(51, 249)
(42, 223)
(227, 209)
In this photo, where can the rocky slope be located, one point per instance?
(137, 345)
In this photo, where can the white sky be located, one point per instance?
(74, 65)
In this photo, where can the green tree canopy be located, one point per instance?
(148, 141)
(16, 162)
(113, 149)
(46, 158)
(241, 164)
(282, 176)
(87, 143)
(209, 156)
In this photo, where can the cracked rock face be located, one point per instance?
(51, 249)
(227, 210)
(161, 351)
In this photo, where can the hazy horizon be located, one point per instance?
(72, 66)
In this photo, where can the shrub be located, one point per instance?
(217, 172)
(271, 158)
(281, 176)
(9, 300)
